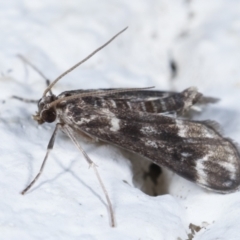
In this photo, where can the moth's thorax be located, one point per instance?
(45, 114)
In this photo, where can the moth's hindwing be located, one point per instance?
(193, 150)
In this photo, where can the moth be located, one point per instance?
(147, 122)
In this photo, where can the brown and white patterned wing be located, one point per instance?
(193, 150)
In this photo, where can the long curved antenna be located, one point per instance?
(79, 63)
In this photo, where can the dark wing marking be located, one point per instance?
(193, 150)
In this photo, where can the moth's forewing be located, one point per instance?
(193, 150)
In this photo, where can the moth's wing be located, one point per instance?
(146, 95)
(143, 100)
(193, 150)
(128, 95)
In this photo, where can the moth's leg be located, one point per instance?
(87, 138)
(34, 68)
(69, 132)
(25, 99)
(37, 70)
(40, 73)
(49, 148)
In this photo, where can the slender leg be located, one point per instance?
(25, 99)
(69, 132)
(36, 69)
(49, 148)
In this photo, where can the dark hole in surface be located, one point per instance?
(153, 173)
(173, 68)
(147, 176)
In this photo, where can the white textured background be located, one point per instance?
(202, 36)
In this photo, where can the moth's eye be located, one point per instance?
(48, 115)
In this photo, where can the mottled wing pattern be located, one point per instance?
(193, 150)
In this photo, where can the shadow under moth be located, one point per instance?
(147, 122)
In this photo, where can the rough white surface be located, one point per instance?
(66, 203)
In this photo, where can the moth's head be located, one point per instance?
(44, 113)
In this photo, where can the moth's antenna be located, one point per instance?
(36, 69)
(79, 63)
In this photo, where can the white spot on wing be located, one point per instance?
(200, 168)
(143, 106)
(113, 103)
(201, 130)
(186, 154)
(148, 129)
(129, 105)
(115, 124)
(208, 134)
(230, 168)
(86, 120)
(151, 98)
(151, 144)
(103, 102)
(181, 128)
